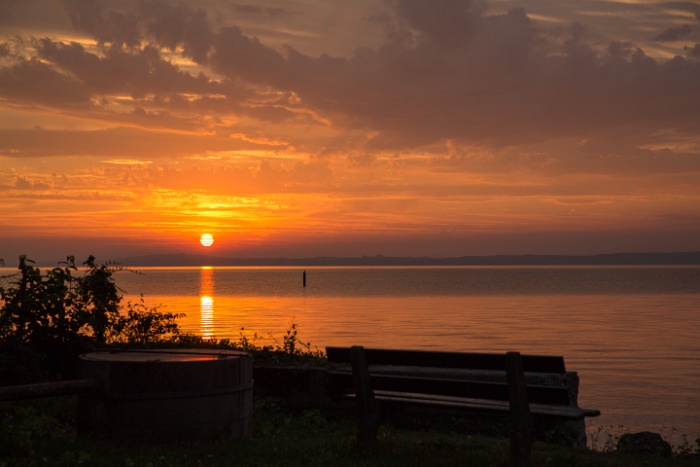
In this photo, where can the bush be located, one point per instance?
(46, 320)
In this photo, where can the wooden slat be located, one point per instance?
(444, 401)
(563, 411)
(475, 389)
(435, 359)
(480, 405)
(457, 388)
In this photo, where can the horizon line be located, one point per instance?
(529, 259)
(620, 258)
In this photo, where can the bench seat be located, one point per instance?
(560, 411)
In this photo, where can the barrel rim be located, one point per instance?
(162, 355)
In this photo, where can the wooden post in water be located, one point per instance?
(304, 278)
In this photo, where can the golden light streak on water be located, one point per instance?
(206, 302)
(206, 320)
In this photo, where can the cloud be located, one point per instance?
(113, 26)
(23, 183)
(236, 55)
(138, 72)
(449, 23)
(258, 11)
(174, 25)
(116, 143)
(691, 7)
(447, 71)
(674, 34)
(34, 81)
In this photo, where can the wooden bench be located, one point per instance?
(446, 379)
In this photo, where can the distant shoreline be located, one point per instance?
(620, 259)
(611, 259)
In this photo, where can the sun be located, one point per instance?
(206, 240)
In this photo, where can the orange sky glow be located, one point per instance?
(303, 128)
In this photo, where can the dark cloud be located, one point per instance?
(505, 77)
(446, 70)
(174, 25)
(35, 81)
(237, 55)
(450, 23)
(136, 72)
(259, 11)
(106, 26)
(674, 34)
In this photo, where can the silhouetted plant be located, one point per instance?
(291, 344)
(245, 344)
(99, 301)
(47, 319)
(40, 309)
(142, 325)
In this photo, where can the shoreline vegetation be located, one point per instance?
(48, 319)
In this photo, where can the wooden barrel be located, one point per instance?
(168, 393)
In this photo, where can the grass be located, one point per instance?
(43, 432)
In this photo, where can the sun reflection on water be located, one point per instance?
(206, 302)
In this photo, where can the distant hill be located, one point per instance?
(182, 259)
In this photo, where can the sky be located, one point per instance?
(304, 128)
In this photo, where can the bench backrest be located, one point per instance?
(456, 360)
(492, 388)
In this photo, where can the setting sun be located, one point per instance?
(206, 240)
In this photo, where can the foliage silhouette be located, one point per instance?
(46, 320)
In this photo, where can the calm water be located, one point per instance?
(632, 333)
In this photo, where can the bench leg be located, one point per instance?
(522, 427)
(367, 409)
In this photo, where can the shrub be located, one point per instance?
(47, 319)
